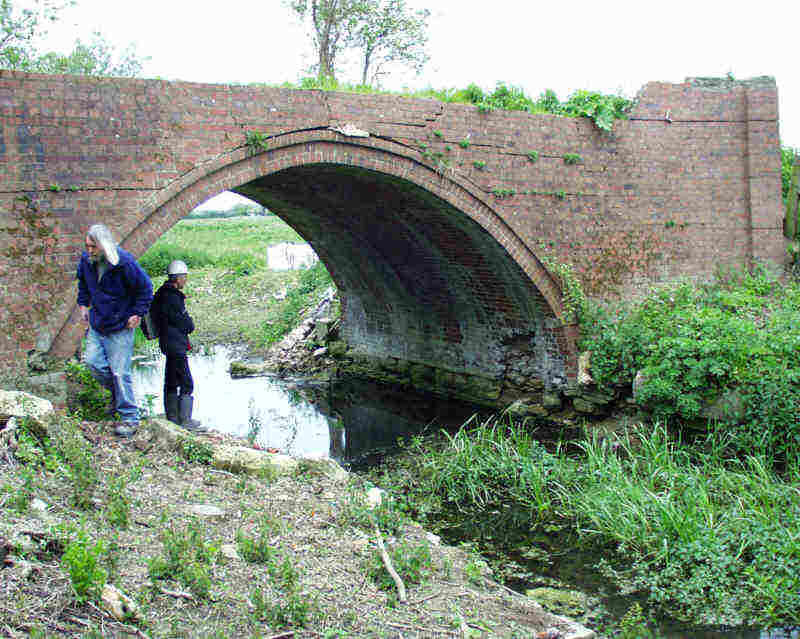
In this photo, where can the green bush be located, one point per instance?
(694, 343)
(241, 263)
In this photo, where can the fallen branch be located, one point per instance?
(401, 587)
(178, 593)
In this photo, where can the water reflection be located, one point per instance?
(235, 406)
(345, 421)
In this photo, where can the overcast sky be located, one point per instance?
(603, 46)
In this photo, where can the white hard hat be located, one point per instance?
(177, 267)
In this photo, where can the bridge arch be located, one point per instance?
(437, 290)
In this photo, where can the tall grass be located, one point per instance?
(707, 539)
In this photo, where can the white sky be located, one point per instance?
(603, 46)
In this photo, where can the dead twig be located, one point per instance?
(178, 593)
(401, 587)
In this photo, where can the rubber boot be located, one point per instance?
(171, 407)
(185, 414)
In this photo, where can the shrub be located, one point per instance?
(693, 343)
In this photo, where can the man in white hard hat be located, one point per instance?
(174, 325)
(114, 293)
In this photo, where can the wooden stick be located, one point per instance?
(401, 587)
(177, 593)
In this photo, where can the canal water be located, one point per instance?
(356, 425)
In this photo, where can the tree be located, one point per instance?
(333, 23)
(21, 29)
(389, 33)
(97, 58)
(383, 32)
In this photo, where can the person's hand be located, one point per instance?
(133, 321)
(84, 313)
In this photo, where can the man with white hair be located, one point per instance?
(114, 293)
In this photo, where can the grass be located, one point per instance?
(708, 538)
(231, 295)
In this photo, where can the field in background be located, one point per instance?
(231, 294)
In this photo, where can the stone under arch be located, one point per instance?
(437, 290)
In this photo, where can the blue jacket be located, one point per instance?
(123, 291)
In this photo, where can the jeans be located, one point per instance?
(109, 360)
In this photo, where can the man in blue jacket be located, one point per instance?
(114, 293)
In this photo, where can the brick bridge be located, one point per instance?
(439, 223)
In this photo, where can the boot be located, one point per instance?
(185, 415)
(171, 407)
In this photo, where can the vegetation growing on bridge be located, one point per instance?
(602, 109)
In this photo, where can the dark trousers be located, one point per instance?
(177, 375)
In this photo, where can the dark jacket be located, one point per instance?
(123, 291)
(174, 323)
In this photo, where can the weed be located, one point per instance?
(256, 141)
(82, 560)
(473, 570)
(187, 557)
(356, 512)
(438, 134)
(533, 156)
(572, 158)
(20, 498)
(464, 144)
(503, 193)
(118, 506)
(411, 561)
(195, 451)
(561, 194)
(90, 399)
(633, 624)
(79, 464)
(257, 549)
(253, 422)
(479, 164)
(292, 610)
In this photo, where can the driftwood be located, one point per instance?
(401, 587)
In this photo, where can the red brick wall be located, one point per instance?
(689, 182)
